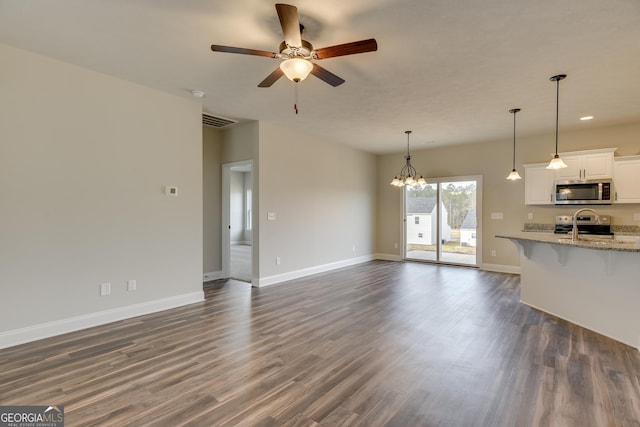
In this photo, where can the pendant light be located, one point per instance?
(514, 175)
(556, 162)
(408, 174)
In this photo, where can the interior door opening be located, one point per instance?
(237, 242)
(442, 221)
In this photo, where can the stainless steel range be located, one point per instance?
(587, 224)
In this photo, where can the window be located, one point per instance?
(417, 220)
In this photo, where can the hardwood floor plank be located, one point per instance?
(378, 344)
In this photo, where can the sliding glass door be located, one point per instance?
(442, 221)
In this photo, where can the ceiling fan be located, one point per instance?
(298, 53)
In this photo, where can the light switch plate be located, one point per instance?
(271, 216)
(171, 191)
(497, 215)
(105, 289)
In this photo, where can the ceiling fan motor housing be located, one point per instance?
(303, 51)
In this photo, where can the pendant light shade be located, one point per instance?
(514, 175)
(408, 174)
(296, 69)
(556, 162)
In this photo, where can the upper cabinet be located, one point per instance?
(626, 179)
(538, 184)
(588, 164)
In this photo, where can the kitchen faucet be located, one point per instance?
(574, 230)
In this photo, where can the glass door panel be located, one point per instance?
(441, 222)
(458, 222)
(421, 223)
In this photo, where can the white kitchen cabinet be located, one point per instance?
(538, 184)
(588, 164)
(626, 179)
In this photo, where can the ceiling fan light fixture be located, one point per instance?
(296, 69)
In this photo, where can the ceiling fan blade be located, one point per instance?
(271, 78)
(361, 46)
(290, 24)
(243, 51)
(326, 76)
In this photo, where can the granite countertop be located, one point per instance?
(628, 243)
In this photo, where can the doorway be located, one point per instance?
(442, 221)
(237, 225)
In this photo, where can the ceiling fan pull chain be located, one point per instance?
(295, 102)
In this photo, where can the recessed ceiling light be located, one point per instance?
(585, 118)
(197, 93)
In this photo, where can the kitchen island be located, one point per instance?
(594, 283)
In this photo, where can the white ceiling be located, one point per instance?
(447, 69)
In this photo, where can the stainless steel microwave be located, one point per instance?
(585, 192)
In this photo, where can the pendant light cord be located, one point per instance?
(514, 137)
(557, 110)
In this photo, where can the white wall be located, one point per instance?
(323, 195)
(84, 159)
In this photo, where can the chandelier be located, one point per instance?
(408, 174)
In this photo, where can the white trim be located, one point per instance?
(58, 327)
(213, 275)
(500, 268)
(278, 278)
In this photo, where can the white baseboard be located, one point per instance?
(214, 275)
(58, 327)
(499, 268)
(278, 278)
(388, 257)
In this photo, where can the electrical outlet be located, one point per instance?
(105, 289)
(395, 245)
(131, 285)
(493, 252)
(530, 215)
(636, 216)
(354, 248)
(277, 260)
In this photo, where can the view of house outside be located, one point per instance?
(458, 222)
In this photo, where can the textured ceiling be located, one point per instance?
(447, 69)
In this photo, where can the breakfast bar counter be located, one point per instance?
(594, 283)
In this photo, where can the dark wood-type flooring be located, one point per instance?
(378, 344)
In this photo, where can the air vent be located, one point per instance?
(216, 122)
